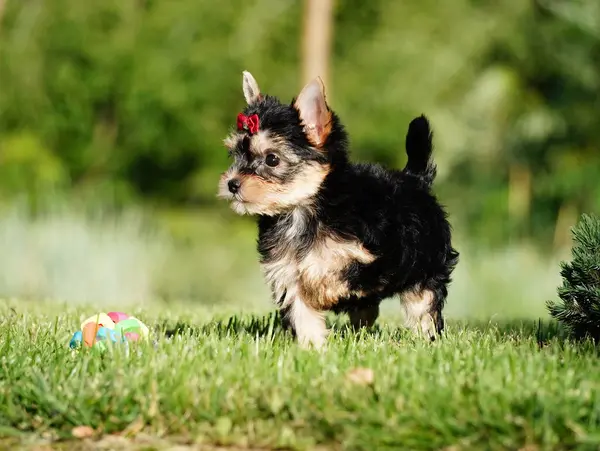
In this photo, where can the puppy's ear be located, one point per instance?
(250, 87)
(314, 112)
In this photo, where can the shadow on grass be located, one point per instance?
(271, 326)
(257, 326)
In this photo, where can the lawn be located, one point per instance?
(214, 379)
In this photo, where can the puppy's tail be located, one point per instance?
(419, 147)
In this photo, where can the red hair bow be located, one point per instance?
(249, 123)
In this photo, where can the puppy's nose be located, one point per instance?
(233, 185)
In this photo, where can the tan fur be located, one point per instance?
(255, 190)
(320, 272)
(418, 310)
(317, 278)
(257, 196)
(264, 142)
(304, 186)
(261, 144)
(317, 133)
(326, 130)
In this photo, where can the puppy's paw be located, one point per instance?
(313, 339)
(428, 327)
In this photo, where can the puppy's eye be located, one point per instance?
(272, 160)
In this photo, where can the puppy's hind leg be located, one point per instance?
(364, 317)
(423, 311)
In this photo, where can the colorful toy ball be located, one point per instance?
(114, 327)
(101, 319)
(117, 316)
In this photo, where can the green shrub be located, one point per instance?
(579, 310)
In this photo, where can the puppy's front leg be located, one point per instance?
(308, 323)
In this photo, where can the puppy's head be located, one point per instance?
(281, 153)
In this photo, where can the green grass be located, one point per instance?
(217, 379)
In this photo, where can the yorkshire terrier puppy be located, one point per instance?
(335, 235)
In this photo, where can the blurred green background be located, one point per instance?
(112, 116)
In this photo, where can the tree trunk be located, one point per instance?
(316, 40)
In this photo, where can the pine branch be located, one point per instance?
(579, 309)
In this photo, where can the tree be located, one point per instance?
(316, 40)
(535, 131)
(579, 310)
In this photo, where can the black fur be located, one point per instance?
(392, 212)
(419, 146)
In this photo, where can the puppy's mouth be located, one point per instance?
(241, 206)
(238, 199)
(231, 197)
(236, 202)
